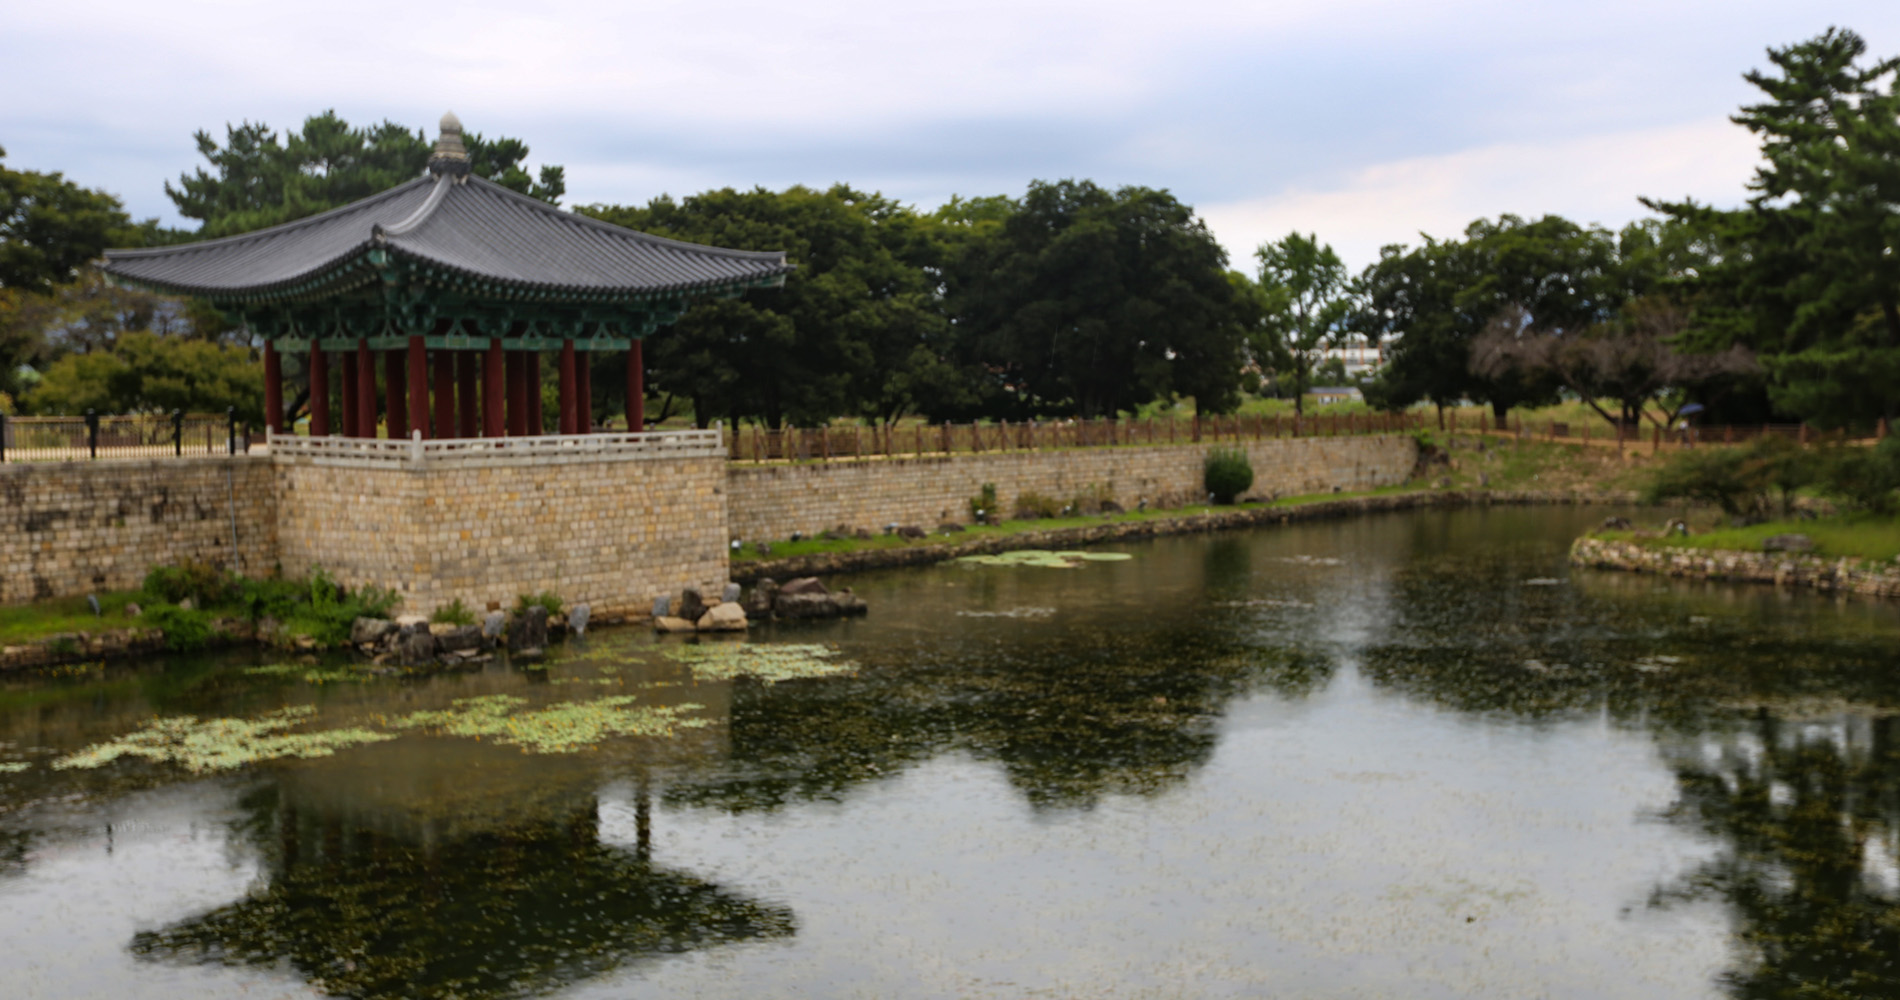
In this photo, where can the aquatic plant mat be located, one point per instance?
(579, 717)
(1044, 559)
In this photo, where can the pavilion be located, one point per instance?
(460, 285)
(445, 486)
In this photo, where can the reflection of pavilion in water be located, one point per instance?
(466, 870)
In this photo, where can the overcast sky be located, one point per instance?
(1361, 120)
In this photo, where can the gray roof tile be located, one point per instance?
(474, 227)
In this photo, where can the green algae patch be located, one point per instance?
(200, 745)
(567, 727)
(13, 766)
(1043, 558)
(767, 663)
(311, 675)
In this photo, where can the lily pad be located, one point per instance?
(200, 745)
(767, 662)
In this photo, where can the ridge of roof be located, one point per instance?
(238, 239)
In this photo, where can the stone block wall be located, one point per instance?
(70, 528)
(614, 534)
(769, 502)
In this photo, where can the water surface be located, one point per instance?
(1412, 754)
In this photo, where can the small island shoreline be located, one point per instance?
(1828, 574)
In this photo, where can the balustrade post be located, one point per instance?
(178, 432)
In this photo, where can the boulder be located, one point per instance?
(912, 532)
(949, 528)
(662, 606)
(730, 593)
(133, 611)
(459, 637)
(804, 585)
(1615, 524)
(416, 648)
(691, 605)
(529, 630)
(723, 617)
(758, 603)
(369, 631)
(668, 623)
(1787, 543)
(796, 606)
(849, 604)
(409, 623)
(493, 624)
(578, 618)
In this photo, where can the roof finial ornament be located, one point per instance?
(450, 156)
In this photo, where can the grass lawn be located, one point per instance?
(25, 622)
(1867, 536)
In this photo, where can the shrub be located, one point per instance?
(1721, 476)
(1031, 506)
(200, 582)
(1090, 499)
(983, 505)
(1226, 473)
(453, 613)
(546, 599)
(1868, 478)
(184, 630)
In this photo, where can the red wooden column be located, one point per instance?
(365, 390)
(319, 390)
(569, 422)
(493, 386)
(273, 389)
(537, 422)
(445, 394)
(418, 384)
(516, 374)
(349, 393)
(467, 425)
(396, 387)
(584, 395)
(636, 388)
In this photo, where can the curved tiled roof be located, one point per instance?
(467, 225)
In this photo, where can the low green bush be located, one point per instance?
(546, 599)
(184, 630)
(199, 582)
(1033, 506)
(1868, 478)
(1226, 473)
(453, 613)
(983, 505)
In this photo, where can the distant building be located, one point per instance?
(1357, 352)
(1324, 395)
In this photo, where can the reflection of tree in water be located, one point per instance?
(1471, 634)
(510, 911)
(1072, 716)
(1807, 819)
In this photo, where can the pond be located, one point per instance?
(1405, 755)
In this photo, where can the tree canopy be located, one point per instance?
(1306, 297)
(1808, 273)
(255, 180)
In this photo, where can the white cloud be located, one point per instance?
(1595, 178)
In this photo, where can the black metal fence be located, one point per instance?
(91, 437)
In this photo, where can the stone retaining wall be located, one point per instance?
(769, 502)
(613, 534)
(1847, 575)
(71, 528)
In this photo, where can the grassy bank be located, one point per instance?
(27, 622)
(1861, 536)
